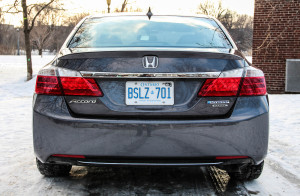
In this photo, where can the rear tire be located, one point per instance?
(247, 172)
(53, 170)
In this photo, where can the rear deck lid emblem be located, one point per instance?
(150, 61)
(83, 101)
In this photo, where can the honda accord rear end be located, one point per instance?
(165, 91)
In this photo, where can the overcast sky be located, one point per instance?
(158, 6)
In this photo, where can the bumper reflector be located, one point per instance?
(232, 157)
(69, 156)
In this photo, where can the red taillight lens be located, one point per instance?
(47, 85)
(220, 87)
(69, 156)
(224, 87)
(232, 157)
(253, 86)
(80, 86)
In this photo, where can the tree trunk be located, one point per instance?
(124, 5)
(28, 55)
(40, 52)
(27, 41)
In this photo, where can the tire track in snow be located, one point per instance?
(276, 167)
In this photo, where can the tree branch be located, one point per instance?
(12, 8)
(38, 13)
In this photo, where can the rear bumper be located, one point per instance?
(119, 161)
(245, 133)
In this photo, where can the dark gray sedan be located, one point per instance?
(137, 90)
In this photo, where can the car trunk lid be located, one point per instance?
(186, 70)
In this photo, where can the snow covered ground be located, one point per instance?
(19, 176)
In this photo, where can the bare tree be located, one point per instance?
(7, 36)
(108, 5)
(224, 15)
(8, 39)
(75, 19)
(209, 8)
(44, 30)
(242, 32)
(239, 26)
(125, 2)
(60, 33)
(41, 35)
(30, 15)
(1, 16)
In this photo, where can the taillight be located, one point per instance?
(223, 87)
(80, 86)
(253, 84)
(48, 83)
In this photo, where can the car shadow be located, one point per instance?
(144, 181)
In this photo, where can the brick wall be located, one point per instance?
(276, 37)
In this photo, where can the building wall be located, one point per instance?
(276, 37)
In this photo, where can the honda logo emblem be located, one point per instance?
(150, 61)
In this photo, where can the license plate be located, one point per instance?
(149, 93)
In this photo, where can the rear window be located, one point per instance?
(139, 31)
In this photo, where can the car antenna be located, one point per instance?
(149, 14)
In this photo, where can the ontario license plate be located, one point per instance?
(149, 93)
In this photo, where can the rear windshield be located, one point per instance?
(139, 31)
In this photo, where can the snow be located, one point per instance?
(249, 58)
(19, 175)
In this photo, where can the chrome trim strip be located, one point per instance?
(149, 75)
(149, 164)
